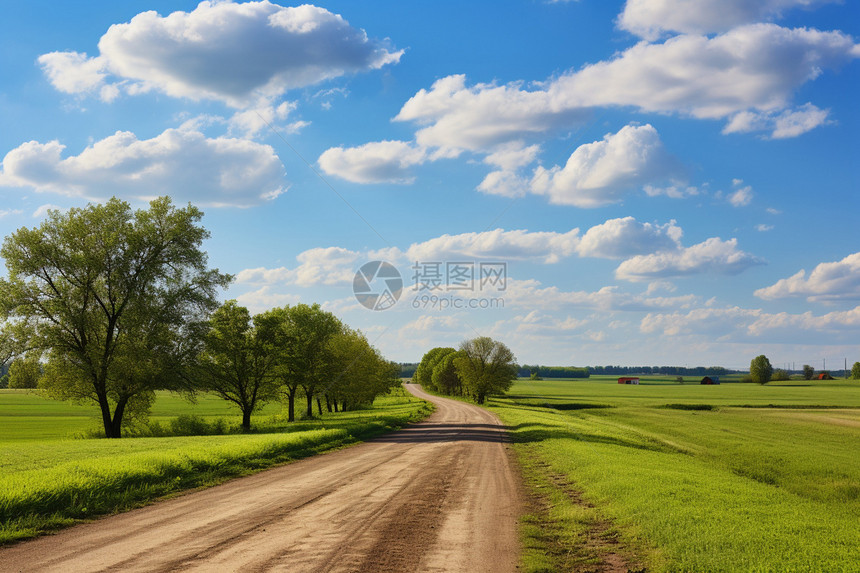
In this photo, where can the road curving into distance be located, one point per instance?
(437, 496)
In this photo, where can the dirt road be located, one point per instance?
(437, 496)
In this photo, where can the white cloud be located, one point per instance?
(547, 246)
(317, 266)
(529, 294)
(265, 298)
(783, 124)
(741, 197)
(710, 256)
(182, 163)
(6, 212)
(599, 173)
(481, 117)
(753, 69)
(761, 227)
(234, 53)
(375, 162)
(542, 325)
(829, 281)
(649, 19)
(621, 238)
(505, 184)
(732, 323)
(512, 156)
(671, 191)
(250, 122)
(42, 210)
(74, 72)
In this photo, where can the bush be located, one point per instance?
(779, 375)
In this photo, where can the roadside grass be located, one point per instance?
(51, 483)
(774, 487)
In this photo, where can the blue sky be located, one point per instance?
(666, 181)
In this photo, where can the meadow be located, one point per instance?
(670, 477)
(50, 476)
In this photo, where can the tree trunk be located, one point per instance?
(327, 403)
(246, 420)
(310, 398)
(291, 406)
(116, 423)
(319, 406)
(106, 418)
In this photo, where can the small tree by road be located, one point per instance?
(485, 367)
(761, 370)
(808, 372)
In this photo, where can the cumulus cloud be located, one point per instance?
(477, 118)
(753, 69)
(530, 294)
(317, 266)
(649, 19)
(741, 196)
(235, 53)
(731, 323)
(710, 256)
(547, 246)
(621, 238)
(599, 173)
(831, 281)
(182, 163)
(375, 162)
(250, 122)
(782, 125)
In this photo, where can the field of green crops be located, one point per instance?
(735, 477)
(49, 479)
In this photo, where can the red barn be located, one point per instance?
(628, 380)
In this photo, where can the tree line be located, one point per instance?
(481, 367)
(112, 304)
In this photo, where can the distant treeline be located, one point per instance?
(407, 370)
(553, 371)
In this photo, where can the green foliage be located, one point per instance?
(779, 375)
(4, 381)
(445, 378)
(424, 372)
(238, 359)
(808, 372)
(361, 373)
(485, 366)
(534, 376)
(115, 299)
(24, 372)
(855, 371)
(760, 369)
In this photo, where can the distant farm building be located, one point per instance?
(710, 380)
(628, 380)
(825, 376)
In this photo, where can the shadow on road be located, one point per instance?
(429, 432)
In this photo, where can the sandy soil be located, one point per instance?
(437, 496)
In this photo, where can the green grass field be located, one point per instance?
(735, 477)
(48, 479)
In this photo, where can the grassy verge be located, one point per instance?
(53, 483)
(618, 480)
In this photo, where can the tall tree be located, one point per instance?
(239, 357)
(855, 371)
(808, 372)
(485, 367)
(760, 369)
(104, 291)
(304, 359)
(445, 377)
(360, 371)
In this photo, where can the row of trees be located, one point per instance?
(288, 352)
(116, 304)
(762, 372)
(479, 368)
